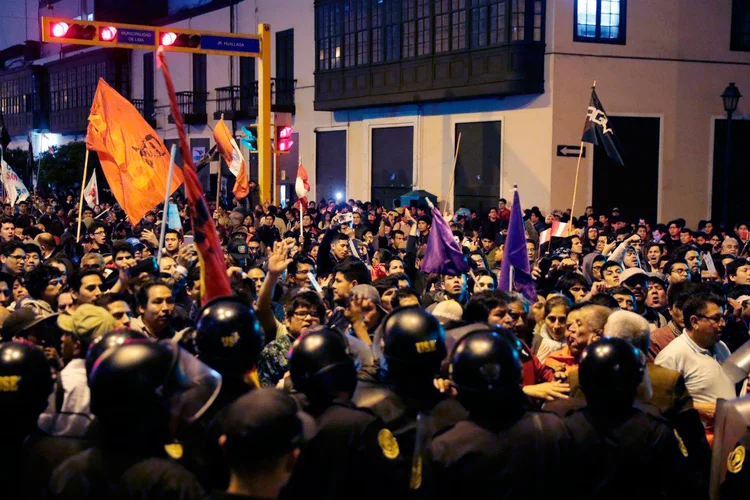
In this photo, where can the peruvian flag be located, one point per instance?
(302, 187)
(91, 192)
(558, 229)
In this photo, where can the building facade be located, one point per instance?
(379, 92)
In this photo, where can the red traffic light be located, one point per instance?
(59, 30)
(172, 39)
(73, 31)
(107, 34)
(168, 38)
(284, 140)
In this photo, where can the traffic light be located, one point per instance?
(250, 141)
(185, 40)
(72, 31)
(284, 140)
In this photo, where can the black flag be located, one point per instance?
(598, 131)
(4, 134)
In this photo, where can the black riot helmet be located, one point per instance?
(228, 337)
(142, 389)
(414, 343)
(321, 366)
(485, 367)
(610, 371)
(26, 381)
(111, 339)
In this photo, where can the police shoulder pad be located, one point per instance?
(388, 444)
(736, 459)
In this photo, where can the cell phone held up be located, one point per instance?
(148, 265)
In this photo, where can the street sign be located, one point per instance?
(570, 151)
(136, 37)
(247, 45)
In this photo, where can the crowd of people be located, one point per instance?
(338, 368)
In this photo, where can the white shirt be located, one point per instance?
(75, 415)
(704, 378)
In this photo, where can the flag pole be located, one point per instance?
(165, 217)
(575, 190)
(80, 202)
(453, 173)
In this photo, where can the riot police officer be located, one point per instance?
(26, 382)
(623, 451)
(139, 392)
(504, 445)
(346, 452)
(111, 339)
(228, 338)
(406, 399)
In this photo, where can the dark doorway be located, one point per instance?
(330, 164)
(739, 175)
(477, 178)
(634, 188)
(392, 163)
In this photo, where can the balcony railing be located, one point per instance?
(192, 106)
(241, 102)
(146, 108)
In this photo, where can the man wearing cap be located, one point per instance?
(262, 435)
(72, 416)
(635, 280)
(238, 251)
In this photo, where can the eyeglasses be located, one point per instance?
(680, 271)
(713, 319)
(54, 282)
(99, 233)
(304, 314)
(17, 257)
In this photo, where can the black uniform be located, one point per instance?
(737, 481)
(635, 455)
(349, 456)
(97, 473)
(524, 457)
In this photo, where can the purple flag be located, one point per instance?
(443, 255)
(515, 256)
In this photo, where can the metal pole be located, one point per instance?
(727, 167)
(265, 180)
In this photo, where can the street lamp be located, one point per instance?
(731, 98)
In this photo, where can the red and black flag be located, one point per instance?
(598, 131)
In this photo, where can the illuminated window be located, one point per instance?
(600, 21)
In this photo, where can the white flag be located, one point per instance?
(15, 190)
(91, 193)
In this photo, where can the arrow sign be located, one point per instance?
(570, 151)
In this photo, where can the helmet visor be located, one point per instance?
(193, 386)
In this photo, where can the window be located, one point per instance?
(392, 163)
(600, 21)
(478, 169)
(488, 21)
(356, 33)
(329, 36)
(200, 85)
(377, 13)
(148, 85)
(392, 29)
(740, 25)
(450, 25)
(74, 87)
(417, 28)
(330, 164)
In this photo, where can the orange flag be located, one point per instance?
(214, 280)
(233, 156)
(133, 157)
